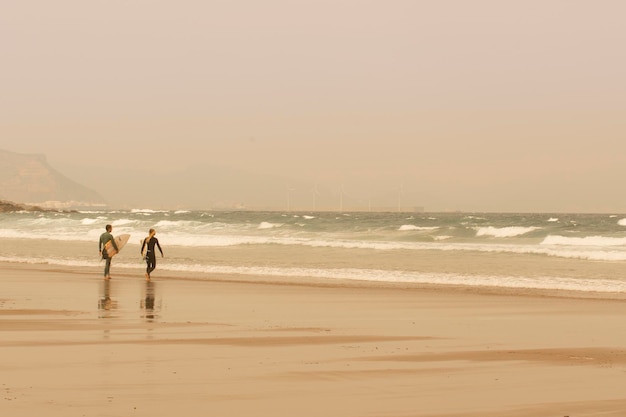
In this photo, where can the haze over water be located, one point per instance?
(300, 105)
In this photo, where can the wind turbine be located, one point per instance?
(289, 190)
(400, 192)
(315, 194)
(341, 192)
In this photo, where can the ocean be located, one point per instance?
(569, 252)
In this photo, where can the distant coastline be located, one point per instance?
(9, 206)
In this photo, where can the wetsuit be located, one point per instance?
(150, 255)
(104, 239)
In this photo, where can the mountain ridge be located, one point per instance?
(30, 180)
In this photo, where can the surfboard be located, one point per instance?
(120, 241)
(144, 248)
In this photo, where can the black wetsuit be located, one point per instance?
(150, 255)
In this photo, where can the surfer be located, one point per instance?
(104, 239)
(150, 256)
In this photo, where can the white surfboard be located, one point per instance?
(120, 241)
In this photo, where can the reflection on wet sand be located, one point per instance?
(106, 304)
(109, 305)
(148, 303)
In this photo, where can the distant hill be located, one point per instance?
(30, 180)
(9, 206)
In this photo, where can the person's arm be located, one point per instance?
(114, 244)
(143, 245)
(159, 246)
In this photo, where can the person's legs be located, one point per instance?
(107, 268)
(150, 265)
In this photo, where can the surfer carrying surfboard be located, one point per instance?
(105, 238)
(149, 254)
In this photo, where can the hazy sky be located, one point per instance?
(463, 105)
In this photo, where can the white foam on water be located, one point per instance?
(204, 232)
(180, 224)
(268, 225)
(510, 231)
(88, 222)
(148, 211)
(598, 241)
(500, 281)
(591, 248)
(123, 222)
(409, 227)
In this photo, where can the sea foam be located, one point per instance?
(409, 227)
(599, 241)
(510, 231)
(268, 225)
(501, 281)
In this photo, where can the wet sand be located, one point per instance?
(72, 344)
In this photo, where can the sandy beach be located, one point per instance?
(74, 345)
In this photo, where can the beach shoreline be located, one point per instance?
(313, 281)
(74, 344)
